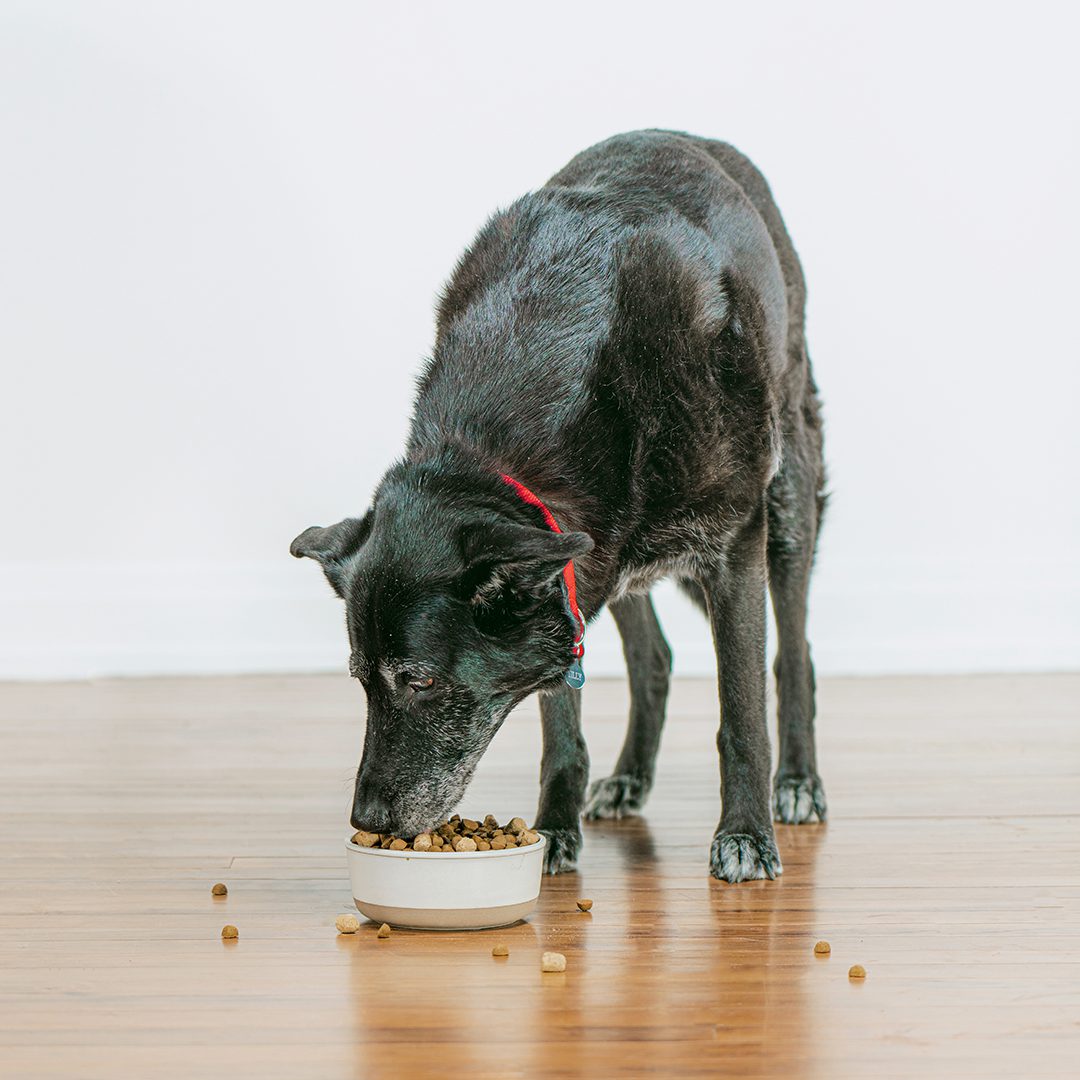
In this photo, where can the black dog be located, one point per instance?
(619, 356)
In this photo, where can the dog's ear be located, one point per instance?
(332, 545)
(520, 556)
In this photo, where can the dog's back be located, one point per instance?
(632, 330)
(706, 181)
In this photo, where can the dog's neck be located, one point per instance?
(476, 475)
(469, 480)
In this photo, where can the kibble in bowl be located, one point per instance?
(462, 875)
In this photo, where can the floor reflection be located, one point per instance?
(755, 969)
(631, 838)
(670, 954)
(666, 957)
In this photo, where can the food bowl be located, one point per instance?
(463, 890)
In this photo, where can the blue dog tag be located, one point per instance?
(575, 676)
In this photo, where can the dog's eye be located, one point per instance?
(414, 684)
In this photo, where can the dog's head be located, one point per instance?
(453, 618)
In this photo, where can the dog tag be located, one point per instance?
(575, 676)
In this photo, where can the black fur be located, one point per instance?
(628, 343)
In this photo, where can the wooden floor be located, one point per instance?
(950, 869)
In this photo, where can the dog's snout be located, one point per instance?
(370, 811)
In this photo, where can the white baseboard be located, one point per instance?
(81, 621)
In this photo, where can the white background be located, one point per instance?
(223, 226)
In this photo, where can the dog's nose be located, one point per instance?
(371, 811)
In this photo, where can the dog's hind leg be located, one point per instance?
(795, 505)
(648, 663)
(564, 774)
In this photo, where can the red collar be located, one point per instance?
(526, 495)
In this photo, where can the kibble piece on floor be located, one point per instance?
(229, 932)
(584, 905)
(822, 948)
(347, 924)
(366, 839)
(383, 931)
(500, 950)
(219, 889)
(398, 845)
(464, 843)
(856, 971)
(553, 961)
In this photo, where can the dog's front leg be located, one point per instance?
(744, 846)
(564, 775)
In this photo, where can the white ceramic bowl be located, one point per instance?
(468, 890)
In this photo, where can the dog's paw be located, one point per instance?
(563, 846)
(798, 799)
(743, 857)
(615, 797)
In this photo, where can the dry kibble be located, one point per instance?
(347, 924)
(383, 931)
(500, 950)
(856, 971)
(229, 932)
(219, 890)
(553, 961)
(822, 948)
(456, 834)
(584, 905)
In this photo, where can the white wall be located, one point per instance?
(223, 226)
